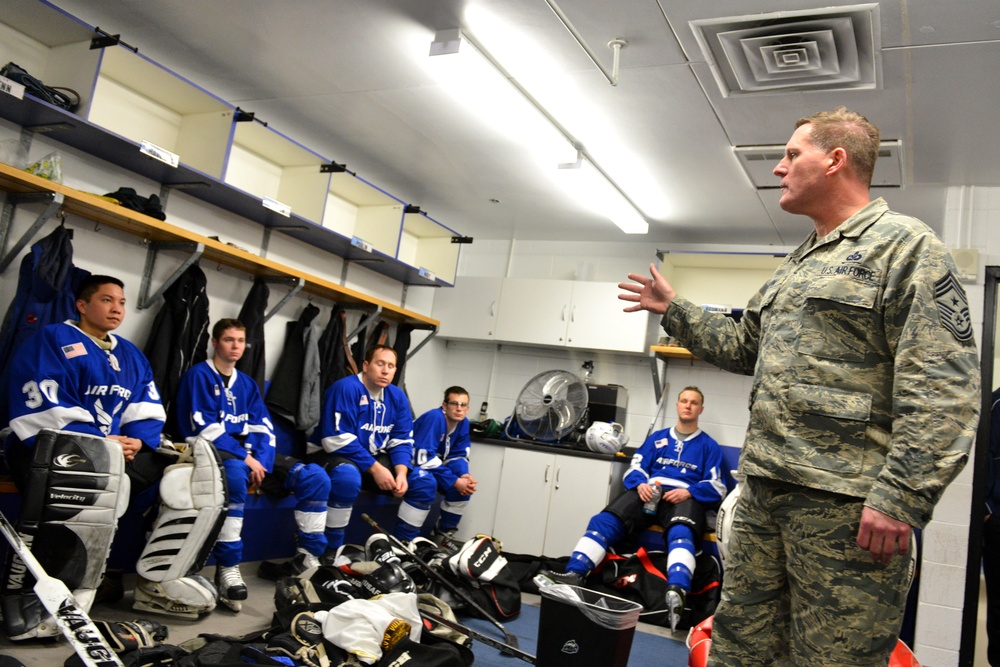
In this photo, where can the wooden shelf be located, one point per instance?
(224, 157)
(671, 352)
(106, 213)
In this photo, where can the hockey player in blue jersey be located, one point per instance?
(686, 464)
(225, 407)
(365, 427)
(85, 412)
(440, 451)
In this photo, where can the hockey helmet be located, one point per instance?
(389, 578)
(606, 438)
(724, 522)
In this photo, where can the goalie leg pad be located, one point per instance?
(187, 597)
(193, 496)
(74, 492)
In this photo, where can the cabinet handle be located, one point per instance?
(558, 470)
(572, 314)
(547, 466)
(493, 304)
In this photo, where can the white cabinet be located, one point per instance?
(534, 311)
(545, 500)
(485, 463)
(597, 321)
(469, 309)
(568, 313)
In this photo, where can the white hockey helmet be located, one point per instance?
(606, 438)
(724, 522)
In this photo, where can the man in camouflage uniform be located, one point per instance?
(863, 408)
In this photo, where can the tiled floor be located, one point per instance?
(256, 615)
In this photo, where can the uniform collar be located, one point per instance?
(851, 228)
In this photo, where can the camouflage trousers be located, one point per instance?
(797, 589)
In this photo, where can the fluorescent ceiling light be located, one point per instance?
(473, 80)
(489, 91)
(584, 183)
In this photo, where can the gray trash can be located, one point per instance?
(578, 627)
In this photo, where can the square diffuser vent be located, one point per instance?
(830, 49)
(759, 163)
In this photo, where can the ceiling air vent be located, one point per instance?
(829, 49)
(759, 163)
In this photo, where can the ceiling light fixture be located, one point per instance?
(494, 94)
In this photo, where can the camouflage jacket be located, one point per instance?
(866, 377)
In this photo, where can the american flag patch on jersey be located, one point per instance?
(74, 350)
(364, 400)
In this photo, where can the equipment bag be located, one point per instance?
(68, 100)
(481, 566)
(640, 577)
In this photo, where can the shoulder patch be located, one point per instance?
(953, 307)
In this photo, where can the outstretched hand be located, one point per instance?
(653, 294)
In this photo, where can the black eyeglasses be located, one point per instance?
(456, 404)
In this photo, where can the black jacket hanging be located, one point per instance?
(335, 363)
(180, 335)
(402, 347)
(252, 315)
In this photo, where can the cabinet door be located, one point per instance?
(469, 309)
(525, 486)
(597, 321)
(534, 311)
(485, 465)
(579, 491)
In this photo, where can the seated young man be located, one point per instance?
(365, 435)
(221, 405)
(85, 415)
(686, 464)
(441, 452)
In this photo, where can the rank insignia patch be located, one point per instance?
(953, 307)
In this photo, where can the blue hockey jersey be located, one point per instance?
(445, 454)
(694, 464)
(359, 426)
(62, 379)
(233, 416)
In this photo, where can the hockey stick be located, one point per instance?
(452, 588)
(74, 622)
(504, 649)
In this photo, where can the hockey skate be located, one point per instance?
(303, 561)
(546, 578)
(187, 597)
(232, 590)
(445, 539)
(675, 606)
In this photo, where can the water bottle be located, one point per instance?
(649, 507)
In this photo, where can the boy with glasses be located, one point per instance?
(441, 464)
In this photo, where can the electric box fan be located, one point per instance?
(551, 405)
